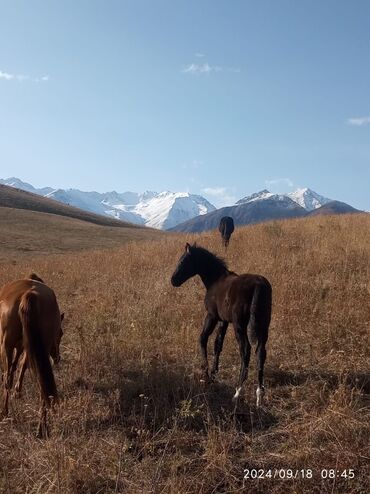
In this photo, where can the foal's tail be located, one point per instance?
(37, 354)
(260, 313)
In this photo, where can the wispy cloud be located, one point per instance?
(200, 55)
(195, 164)
(203, 68)
(278, 182)
(206, 69)
(21, 77)
(222, 195)
(359, 121)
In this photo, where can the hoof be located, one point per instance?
(42, 434)
(205, 379)
(260, 393)
(213, 376)
(237, 393)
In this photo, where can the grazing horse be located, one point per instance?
(245, 300)
(30, 322)
(226, 228)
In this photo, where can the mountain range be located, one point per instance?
(161, 210)
(266, 206)
(185, 212)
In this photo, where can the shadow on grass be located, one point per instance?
(163, 398)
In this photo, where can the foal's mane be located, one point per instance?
(209, 260)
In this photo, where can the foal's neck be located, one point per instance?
(210, 278)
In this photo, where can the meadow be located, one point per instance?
(133, 414)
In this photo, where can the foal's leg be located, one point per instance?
(245, 353)
(208, 327)
(261, 358)
(218, 346)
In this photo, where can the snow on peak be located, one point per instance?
(157, 210)
(304, 197)
(258, 196)
(308, 199)
(168, 209)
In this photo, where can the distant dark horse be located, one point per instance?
(244, 300)
(226, 228)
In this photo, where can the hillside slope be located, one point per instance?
(334, 207)
(31, 233)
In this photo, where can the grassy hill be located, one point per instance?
(34, 225)
(133, 415)
(30, 233)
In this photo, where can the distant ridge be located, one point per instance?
(334, 207)
(257, 210)
(245, 214)
(12, 197)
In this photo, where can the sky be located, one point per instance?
(216, 97)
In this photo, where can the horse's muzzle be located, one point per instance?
(174, 281)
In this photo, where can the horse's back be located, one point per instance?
(14, 291)
(10, 299)
(253, 280)
(226, 226)
(234, 295)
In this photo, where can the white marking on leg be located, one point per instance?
(237, 393)
(260, 392)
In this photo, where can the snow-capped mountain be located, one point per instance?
(308, 199)
(305, 197)
(266, 206)
(158, 210)
(15, 182)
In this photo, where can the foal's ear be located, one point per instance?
(61, 317)
(187, 247)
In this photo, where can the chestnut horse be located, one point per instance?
(244, 300)
(30, 322)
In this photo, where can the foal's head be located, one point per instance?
(197, 260)
(186, 267)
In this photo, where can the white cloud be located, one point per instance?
(200, 55)
(20, 77)
(359, 121)
(6, 76)
(221, 195)
(276, 182)
(195, 164)
(206, 68)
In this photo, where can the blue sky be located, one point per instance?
(217, 97)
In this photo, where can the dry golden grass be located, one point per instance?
(26, 234)
(133, 416)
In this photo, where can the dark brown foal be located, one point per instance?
(244, 300)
